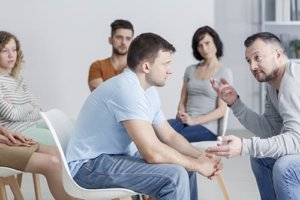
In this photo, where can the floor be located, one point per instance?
(237, 174)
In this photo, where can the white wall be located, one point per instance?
(60, 39)
(235, 21)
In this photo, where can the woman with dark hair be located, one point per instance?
(199, 107)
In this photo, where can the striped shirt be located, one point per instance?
(18, 108)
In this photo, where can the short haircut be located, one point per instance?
(5, 37)
(146, 47)
(199, 35)
(267, 37)
(120, 24)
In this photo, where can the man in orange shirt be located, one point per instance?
(120, 39)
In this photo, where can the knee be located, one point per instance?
(54, 163)
(172, 122)
(286, 169)
(173, 181)
(254, 163)
(179, 175)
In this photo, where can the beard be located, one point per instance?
(268, 77)
(120, 52)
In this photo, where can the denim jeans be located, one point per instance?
(278, 179)
(196, 133)
(162, 181)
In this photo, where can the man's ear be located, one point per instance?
(110, 40)
(146, 67)
(279, 53)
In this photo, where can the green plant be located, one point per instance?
(295, 44)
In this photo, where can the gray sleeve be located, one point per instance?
(266, 125)
(274, 147)
(287, 140)
(187, 74)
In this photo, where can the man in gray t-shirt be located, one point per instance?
(275, 158)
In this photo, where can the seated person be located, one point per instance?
(102, 70)
(199, 107)
(275, 150)
(127, 109)
(24, 154)
(18, 108)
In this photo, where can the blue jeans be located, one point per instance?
(196, 133)
(278, 179)
(162, 181)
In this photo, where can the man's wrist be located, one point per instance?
(238, 96)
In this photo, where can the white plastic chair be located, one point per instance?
(7, 177)
(60, 126)
(222, 127)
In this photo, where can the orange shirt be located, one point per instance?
(102, 69)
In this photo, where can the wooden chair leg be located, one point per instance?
(19, 179)
(15, 188)
(223, 187)
(37, 186)
(3, 195)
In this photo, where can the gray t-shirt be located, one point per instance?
(279, 127)
(201, 98)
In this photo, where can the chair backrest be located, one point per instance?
(61, 126)
(223, 123)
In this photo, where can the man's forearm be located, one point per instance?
(179, 143)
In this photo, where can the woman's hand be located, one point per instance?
(14, 139)
(186, 119)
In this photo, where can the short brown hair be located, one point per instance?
(146, 46)
(120, 23)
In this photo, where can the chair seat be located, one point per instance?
(6, 171)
